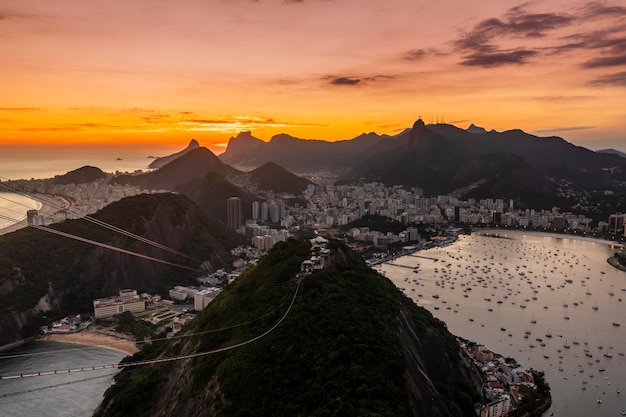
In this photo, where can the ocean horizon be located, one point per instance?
(26, 164)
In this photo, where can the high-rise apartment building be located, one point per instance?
(256, 210)
(616, 223)
(233, 212)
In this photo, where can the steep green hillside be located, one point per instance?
(273, 177)
(351, 345)
(80, 176)
(40, 271)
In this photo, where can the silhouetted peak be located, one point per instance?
(476, 129)
(80, 176)
(201, 152)
(162, 161)
(612, 152)
(245, 135)
(282, 137)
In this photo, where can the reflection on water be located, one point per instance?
(65, 395)
(554, 304)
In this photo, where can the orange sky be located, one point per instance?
(155, 72)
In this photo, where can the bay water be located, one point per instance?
(62, 395)
(551, 302)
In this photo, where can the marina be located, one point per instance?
(545, 288)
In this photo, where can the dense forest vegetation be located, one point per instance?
(340, 350)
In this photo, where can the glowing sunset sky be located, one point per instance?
(162, 72)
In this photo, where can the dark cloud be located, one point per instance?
(414, 55)
(230, 121)
(353, 81)
(345, 81)
(611, 61)
(563, 129)
(515, 23)
(497, 58)
(380, 78)
(479, 45)
(617, 79)
(19, 108)
(7, 15)
(612, 39)
(72, 127)
(596, 10)
(155, 118)
(137, 110)
(562, 98)
(609, 43)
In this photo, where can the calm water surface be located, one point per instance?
(524, 278)
(67, 395)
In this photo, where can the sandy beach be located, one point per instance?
(92, 338)
(49, 207)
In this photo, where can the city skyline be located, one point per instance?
(158, 74)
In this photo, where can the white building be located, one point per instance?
(499, 408)
(204, 297)
(127, 300)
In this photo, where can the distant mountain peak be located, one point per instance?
(159, 162)
(612, 152)
(272, 176)
(80, 176)
(476, 129)
(246, 134)
(283, 137)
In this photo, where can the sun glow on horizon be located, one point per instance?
(109, 74)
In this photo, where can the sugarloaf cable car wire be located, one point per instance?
(62, 384)
(104, 245)
(93, 220)
(90, 219)
(161, 360)
(139, 342)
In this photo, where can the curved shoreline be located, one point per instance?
(91, 338)
(615, 264)
(548, 234)
(47, 206)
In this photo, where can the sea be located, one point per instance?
(552, 302)
(28, 164)
(75, 394)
